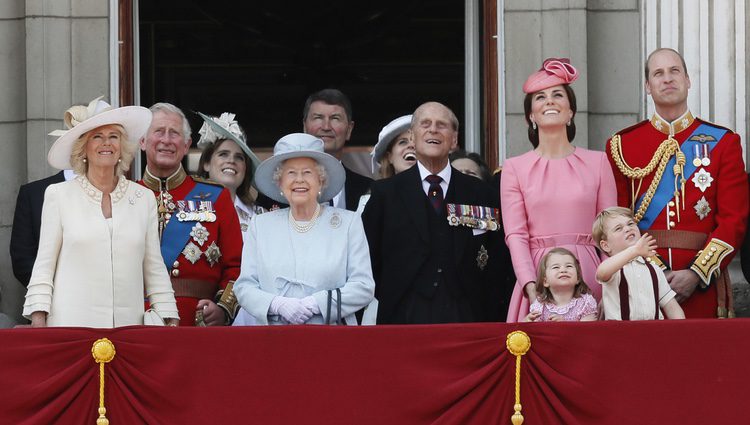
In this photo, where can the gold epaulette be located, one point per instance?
(658, 262)
(709, 259)
(228, 301)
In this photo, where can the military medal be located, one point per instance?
(452, 217)
(192, 252)
(702, 208)
(706, 160)
(482, 257)
(697, 155)
(702, 179)
(473, 216)
(199, 234)
(213, 254)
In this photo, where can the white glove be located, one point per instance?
(311, 304)
(291, 309)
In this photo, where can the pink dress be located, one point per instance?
(548, 203)
(585, 305)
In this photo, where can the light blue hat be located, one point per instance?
(299, 145)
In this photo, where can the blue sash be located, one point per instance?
(177, 232)
(665, 190)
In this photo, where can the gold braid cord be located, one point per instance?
(659, 161)
(518, 343)
(103, 351)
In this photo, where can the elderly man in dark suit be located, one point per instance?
(434, 234)
(24, 237)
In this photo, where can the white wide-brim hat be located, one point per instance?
(386, 136)
(81, 119)
(221, 133)
(299, 145)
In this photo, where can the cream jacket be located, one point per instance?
(88, 274)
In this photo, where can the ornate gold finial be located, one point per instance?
(103, 351)
(518, 343)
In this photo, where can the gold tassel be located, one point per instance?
(103, 351)
(518, 343)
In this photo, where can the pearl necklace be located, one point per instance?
(303, 228)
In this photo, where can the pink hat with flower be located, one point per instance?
(555, 71)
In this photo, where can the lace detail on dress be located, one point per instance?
(96, 194)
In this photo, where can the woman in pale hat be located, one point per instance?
(98, 246)
(227, 159)
(551, 194)
(309, 263)
(394, 151)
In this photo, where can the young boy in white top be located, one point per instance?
(633, 289)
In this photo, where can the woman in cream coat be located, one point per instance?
(99, 245)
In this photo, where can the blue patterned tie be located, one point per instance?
(435, 193)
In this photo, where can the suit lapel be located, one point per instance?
(461, 234)
(414, 199)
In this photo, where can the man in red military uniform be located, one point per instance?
(684, 179)
(201, 241)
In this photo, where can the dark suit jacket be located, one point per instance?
(355, 186)
(27, 219)
(399, 237)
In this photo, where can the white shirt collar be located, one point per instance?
(445, 173)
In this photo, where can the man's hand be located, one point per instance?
(213, 315)
(683, 282)
(646, 246)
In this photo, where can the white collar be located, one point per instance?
(445, 173)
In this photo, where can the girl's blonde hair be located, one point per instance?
(543, 292)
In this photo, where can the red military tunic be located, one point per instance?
(194, 277)
(706, 235)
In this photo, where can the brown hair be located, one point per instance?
(243, 191)
(534, 133)
(598, 232)
(544, 294)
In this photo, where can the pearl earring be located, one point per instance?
(568, 123)
(533, 125)
(85, 160)
(119, 160)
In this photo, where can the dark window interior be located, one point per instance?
(261, 60)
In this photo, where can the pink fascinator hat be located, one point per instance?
(555, 71)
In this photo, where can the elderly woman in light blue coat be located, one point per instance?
(309, 263)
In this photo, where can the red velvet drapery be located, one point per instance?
(669, 372)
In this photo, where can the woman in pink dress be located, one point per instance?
(551, 194)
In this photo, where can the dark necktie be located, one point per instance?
(435, 192)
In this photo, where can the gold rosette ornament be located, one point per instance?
(103, 351)
(518, 343)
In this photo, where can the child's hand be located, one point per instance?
(532, 317)
(646, 246)
(556, 318)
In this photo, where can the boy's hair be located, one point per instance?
(598, 232)
(543, 292)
